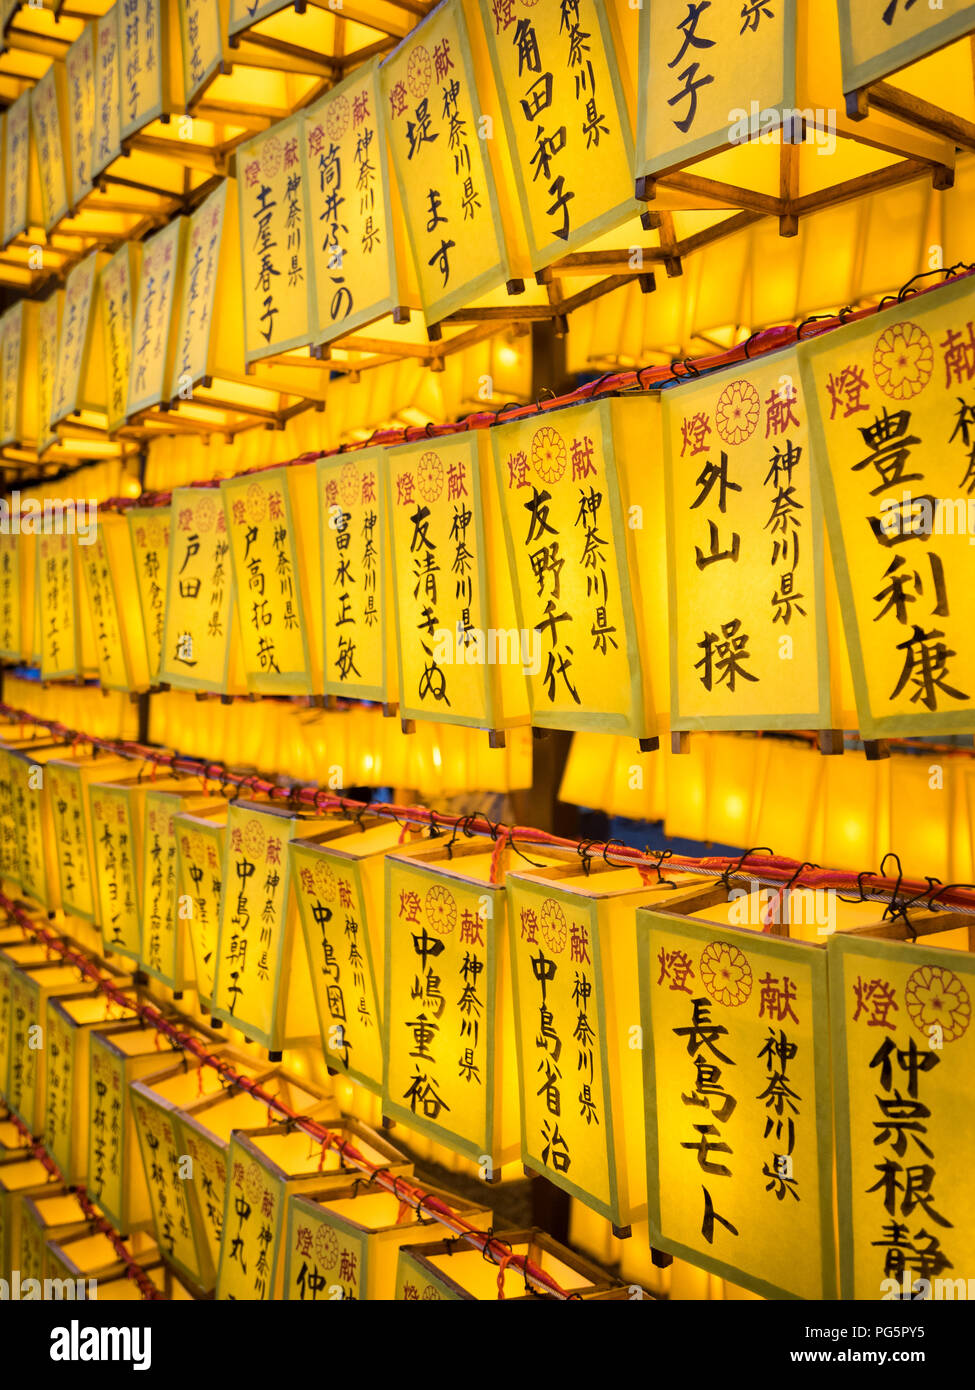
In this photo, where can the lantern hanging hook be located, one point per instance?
(508, 405)
(585, 854)
(627, 864)
(659, 855)
(544, 392)
(521, 854)
(813, 318)
(806, 864)
(943, 888)
(864, 873)
(906, 290)
(737, 866)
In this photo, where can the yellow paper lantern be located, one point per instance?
(200, 848)
(174, 1186)
(267, 1167)
(261, 984)
(86, 1262)
(855, 810)
(338, 880)
(715, 1005)
(357, 595)
(16, 951)
(880, 392)
(344, 1243)
(900, 1017)
(444, 1271)
(730, 119)
(118, 1055)
(205, 1125)
(457, 660)
(27, 1178)
(586, 550)
(31, 987)
(118, 828)
(450, 1067)
(459, 248)
(687, 790)
(788, 798)
(749, 628)
(574, 965)
(732, 774)
(201, 641)
(70, 1022)
(164, 953)
(68, 780)
(56, 1216)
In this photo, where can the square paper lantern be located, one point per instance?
(117, 816)
(272, 526)
(149, 534)
(201, 637)
(344, 1243)
(580, 487)
(459, 662)
(573, 949)
(357, 593)
(200, 844)
(749, 632)
(889, 423)
(87, 1261)
(360, 276)
(27, 1178)
(339, 884)
(267, 1167)
(165, 954)
(31, 804)
(788, 798)
(206, 1124)
(541, 64)
(260, 985)
(31, 987)
(457, 1271)
(71, 1021)
(171, 1175)
(451, 1071)
(275, 241)
(445, 179)
(736, 1095)
(57, 1216)
(13, 953)
(115, 1180)
(68, 780)
(903, 1054)
(109, 576)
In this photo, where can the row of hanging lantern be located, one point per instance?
(437, 132)
(822, 482)
(737, 790)
(511, 1008)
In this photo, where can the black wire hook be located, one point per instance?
(660, 855)
(813, 318)
(739, 863)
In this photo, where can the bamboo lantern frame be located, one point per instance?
(205, 1127)
(71, 1020)
(573, 1273)
(916, 154)
(368, 1241)
(300, 1176)
(53, 1216)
